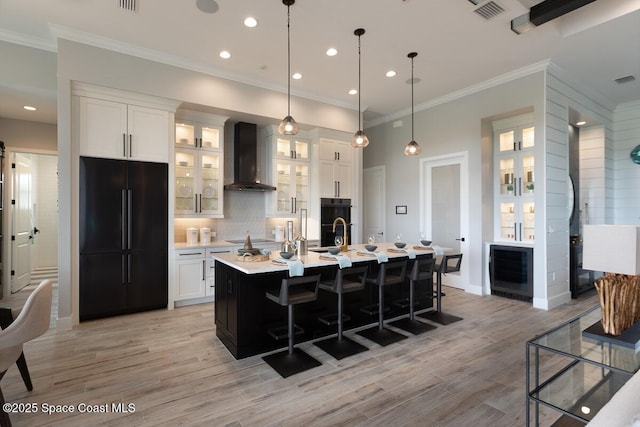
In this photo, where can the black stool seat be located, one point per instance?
(422, 269)
(390, 273)
(293, 291)
(347, 280)
(449, 264)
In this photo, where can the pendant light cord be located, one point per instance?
(412, 81)
(359, 78)
(288, 62)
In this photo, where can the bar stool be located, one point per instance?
(449, 264)
(347, 280)
(390, 273)
(422, 270)
(293, 291)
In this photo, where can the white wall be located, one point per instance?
(455, 126)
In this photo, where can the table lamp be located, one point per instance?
(615, 250)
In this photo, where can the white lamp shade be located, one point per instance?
(611, 248)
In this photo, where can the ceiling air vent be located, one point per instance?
(489, 10)
(129, 5)
(624, 79)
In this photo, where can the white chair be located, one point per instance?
(33, 321)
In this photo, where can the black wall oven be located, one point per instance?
(330, 209)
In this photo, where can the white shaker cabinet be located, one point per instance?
(336, 167)
(190, 273)
(116, 130)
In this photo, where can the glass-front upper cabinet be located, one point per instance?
(514, 172)
(292, 148)
(198, 135)
(288, 168)
(199, 164)
(198, 190)
(292, 183)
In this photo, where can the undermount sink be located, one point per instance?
(239, 242)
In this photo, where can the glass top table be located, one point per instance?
(595, 370)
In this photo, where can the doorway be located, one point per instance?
(32, 251)
(444, 208)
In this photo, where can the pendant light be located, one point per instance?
(288, 125)
(412, 148)
(359, 139)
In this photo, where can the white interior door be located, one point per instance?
(444, 208)
(22, 222)
(374, 197)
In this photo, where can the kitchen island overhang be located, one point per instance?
(243, 315)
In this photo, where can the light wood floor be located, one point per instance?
(170, 365)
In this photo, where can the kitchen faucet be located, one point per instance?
(345, 239)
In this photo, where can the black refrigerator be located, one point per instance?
(123, 237)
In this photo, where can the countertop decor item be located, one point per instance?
(370, 248)
(425, 242)
(288, 125)
(334, 251)
(359, 139)
(400, 245)
(286, 255)
(412, 148)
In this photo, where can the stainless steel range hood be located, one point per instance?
(245, 158)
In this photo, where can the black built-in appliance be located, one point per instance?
(511, 272)
(124, 222)
(330, 209)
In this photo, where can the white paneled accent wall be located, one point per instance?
(563, 94)
(592, 200)
(626, 175)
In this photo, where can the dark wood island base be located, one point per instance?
(243, 315)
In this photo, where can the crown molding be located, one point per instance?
(469, 90)
(29, 41)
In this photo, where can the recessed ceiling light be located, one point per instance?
(585, 410)
(30, 108)
(353, 92)
(225, 54)
(332, 51)
(582, 123)
(296, 76)
(250, 22)
(391, 73)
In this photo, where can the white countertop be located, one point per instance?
(312, 259)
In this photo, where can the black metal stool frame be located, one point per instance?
(422, 269)
(438, 316)
(293, 360)
(340, 346)
(379, 334)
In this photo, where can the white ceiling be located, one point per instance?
(457, 48)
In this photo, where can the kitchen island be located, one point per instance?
(243, 315)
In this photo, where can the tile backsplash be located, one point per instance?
(243, 211)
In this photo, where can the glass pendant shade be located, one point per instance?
(359, 140)
(288, 126)
(412, 149)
